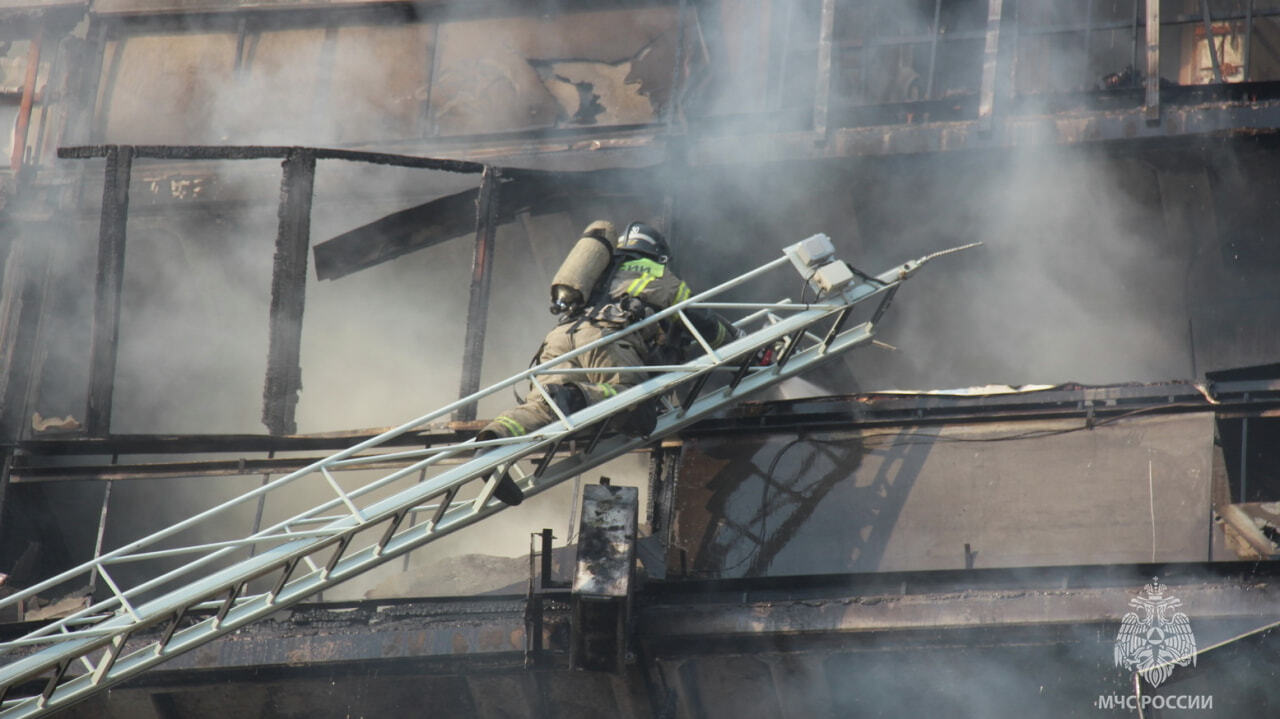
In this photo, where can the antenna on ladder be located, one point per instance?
(226, 583)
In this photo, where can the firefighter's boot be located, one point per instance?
(640, 421)
(507, 492)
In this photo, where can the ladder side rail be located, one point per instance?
(330, 504)
(225, 579)
(463, 515)
(333, 503)
(452, 516)
(266, 558)
(91, 566)
(324, 534)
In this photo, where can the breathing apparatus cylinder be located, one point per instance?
(583, 268)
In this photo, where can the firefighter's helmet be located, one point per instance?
(643, 239)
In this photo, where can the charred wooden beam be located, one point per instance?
(425, 225)
(22, 290)
(107, 288)
(6, 462)
(454, 216)
(288, 293)
(481, 282)
(397, 234)
(266, 152)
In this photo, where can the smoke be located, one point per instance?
(379, 346)
(1084, 274)
(1078, 279)
(1093, 262)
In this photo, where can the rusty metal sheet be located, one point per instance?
(1007, 494)
(606, 541)
(521, 73)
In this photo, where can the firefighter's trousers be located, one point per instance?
(626, 351)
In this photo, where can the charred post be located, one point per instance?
(107, 288)
(481, 281)
(22, 290)
(288, 293)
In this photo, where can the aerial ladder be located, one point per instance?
(227, 580)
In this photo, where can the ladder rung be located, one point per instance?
(207, 581)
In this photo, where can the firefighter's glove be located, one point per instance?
(568, 397)
(602, 230)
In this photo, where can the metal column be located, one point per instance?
(107, 288)
(933, 49)
(288, 293)
(991, 53)
(1151, 103)
(826, 59)
(18, 154)
(1207, 20)
(481, 281)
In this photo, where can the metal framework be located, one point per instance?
(227, 581)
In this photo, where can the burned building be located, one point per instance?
(240, 237)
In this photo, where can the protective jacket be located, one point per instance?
(642, 287)
(639, 288)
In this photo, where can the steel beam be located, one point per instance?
(1207, 22)
(768, 614)
(990, 60)
(1151, 101)
(826, 61)
(288, 293)
(1226, 117)
(107, 288)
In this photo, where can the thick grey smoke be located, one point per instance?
(1087, 273)
(379, 346)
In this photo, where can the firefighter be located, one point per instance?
(634, 283)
